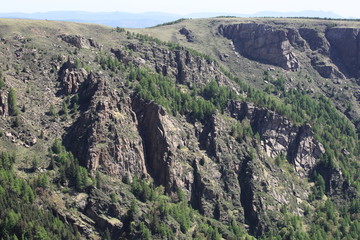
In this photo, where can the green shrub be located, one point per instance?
(144, 232)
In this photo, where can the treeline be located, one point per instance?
(20, 217)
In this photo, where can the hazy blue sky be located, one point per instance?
(345, 8)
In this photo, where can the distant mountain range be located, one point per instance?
(148, 19)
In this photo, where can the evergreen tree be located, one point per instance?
(13, 108)
(2, 84)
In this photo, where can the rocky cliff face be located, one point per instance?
(248, 185)
(334, 51)
(345, 50)
(218, 174)
(315, 39)
(264, 43)
(160, 139)
(106, 132)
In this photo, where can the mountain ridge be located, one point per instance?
(148, 19)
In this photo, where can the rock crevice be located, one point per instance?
(150, 117)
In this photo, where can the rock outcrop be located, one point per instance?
(265, 44)
(185, 67)
(221, 177)
(153, 129)
(105, 135)
(71, 77)
(80, 41)
(188, 34)
(335, 51)
(169, 146)
(326, 70)
(217, 173)
(279, 136)
(104, 213)
(247, 184)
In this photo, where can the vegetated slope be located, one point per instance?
(322, 55)
(118, 135)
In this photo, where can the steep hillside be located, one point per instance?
(313, 55)
(201, 129)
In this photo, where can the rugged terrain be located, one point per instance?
(205, 129)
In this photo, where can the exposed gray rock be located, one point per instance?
(72, 79)
(279, 136)
(326, 70)
(188, 34)
(80, 41)
(105, 136)
(163, 140)
(263, 43)
(315, 39)
(345, 49)
(308, 151)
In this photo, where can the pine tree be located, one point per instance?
(13, 108)
(2, 84)
(65, 109)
